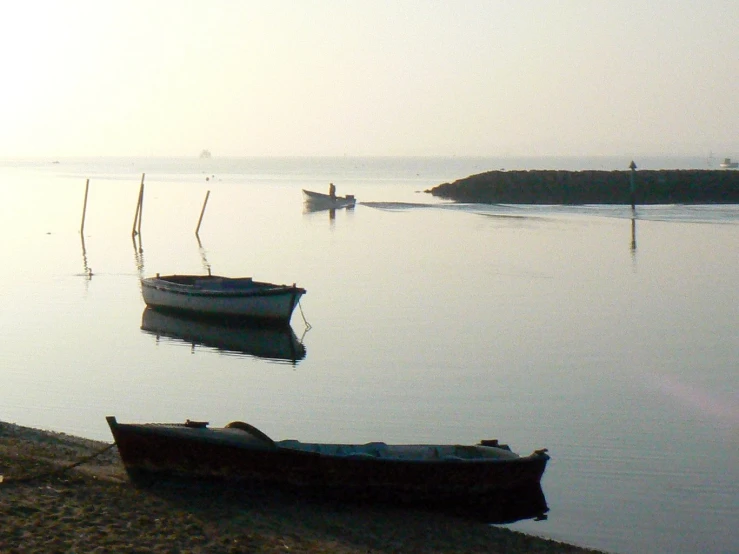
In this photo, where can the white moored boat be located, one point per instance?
(224, 297)
(319, 201)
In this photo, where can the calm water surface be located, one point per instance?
(611, 342)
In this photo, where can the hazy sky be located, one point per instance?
(369, 77)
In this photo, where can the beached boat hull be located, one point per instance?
(215, 296)
(196, 451)
(273, 342)
(319, 201)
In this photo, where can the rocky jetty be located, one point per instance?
(688, 186)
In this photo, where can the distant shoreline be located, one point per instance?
(689, 186)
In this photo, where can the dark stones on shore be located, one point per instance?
(686, 186)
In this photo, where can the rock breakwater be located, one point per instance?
(594, 187)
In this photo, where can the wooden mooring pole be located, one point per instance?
(205, 203)
(139, 209)
(632, 166)
(84, 207)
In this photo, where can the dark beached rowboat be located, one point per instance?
(407, 472)
(222, 297)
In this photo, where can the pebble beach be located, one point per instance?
(61, 493)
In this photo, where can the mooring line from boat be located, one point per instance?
(58, 471)
(308, 326)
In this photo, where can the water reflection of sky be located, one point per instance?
(541, 326)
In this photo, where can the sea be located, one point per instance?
(608, 336)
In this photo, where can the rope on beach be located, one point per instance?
(58, 471)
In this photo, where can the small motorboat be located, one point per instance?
(241, 452)
(315, 201)
(222, 297)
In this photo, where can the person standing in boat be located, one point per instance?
(332, 191)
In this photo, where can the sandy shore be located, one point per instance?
(93, 507)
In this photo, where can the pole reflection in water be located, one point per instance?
(138, 254)
(87, 271)
(633, 234)
(278, 344)
(86, 268)
(203, 255)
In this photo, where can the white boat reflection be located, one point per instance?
(276, 343)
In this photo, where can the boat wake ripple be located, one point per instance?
(727, 214)
(393, 206)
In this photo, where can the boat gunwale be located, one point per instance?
(164, 284)
(275, 291)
